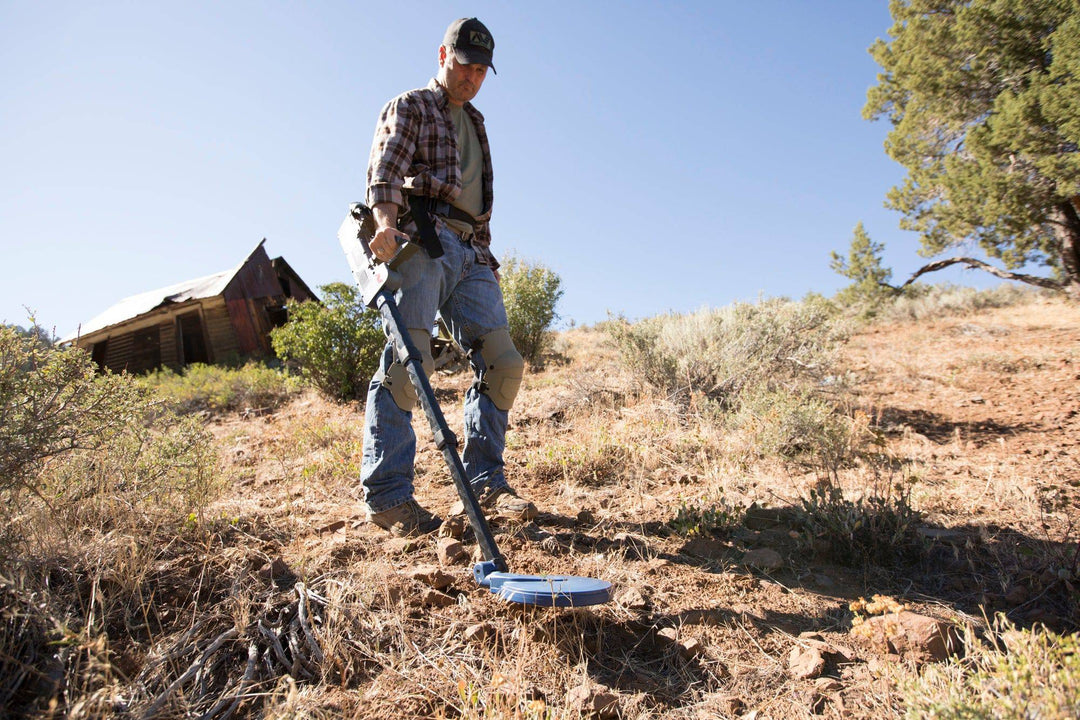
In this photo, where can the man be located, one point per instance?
(430, 156)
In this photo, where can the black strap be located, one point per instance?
(425, 228)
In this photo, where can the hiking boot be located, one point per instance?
(502, 503)
(506, 504)
(406, 520)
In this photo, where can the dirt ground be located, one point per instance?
(979, 415)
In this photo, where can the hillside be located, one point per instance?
(973, 419)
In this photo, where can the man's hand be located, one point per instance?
(386, 242)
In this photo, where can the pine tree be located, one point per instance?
(983, 96)
(870, 280)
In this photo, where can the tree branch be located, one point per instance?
(979, 265)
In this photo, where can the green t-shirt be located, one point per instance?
(471, 199)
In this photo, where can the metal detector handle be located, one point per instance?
(409, 356)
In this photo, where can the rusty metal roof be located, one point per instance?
(136, 305)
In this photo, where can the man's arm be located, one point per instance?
(391, 154)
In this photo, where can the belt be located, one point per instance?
(444, 209)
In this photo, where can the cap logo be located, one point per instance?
(480, 38)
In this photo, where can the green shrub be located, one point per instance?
(1022, 674)
(165, 471)
(335, 344)
(52, 402)
(706, 518)
(794, 423)
(879, 528)
(89, 445)
(719, 353)
(218, 389)
(530, 292)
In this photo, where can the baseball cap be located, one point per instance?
(471, 42)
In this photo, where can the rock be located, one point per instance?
(667, 636)
(453, 527)
(593, 702)
(827, 685)
(763, 558)
(805, 662)
(431, 597)
(398, 546)
(688, 648)
(910, 635)
(479, 632)
(632, 599)
(332, 527)
(705, 547)
(763, 518)
(431, 575)
(585, 517)
(691, 648)
(275, 570)
(449, 550)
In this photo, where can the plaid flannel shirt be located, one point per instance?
(415, 151)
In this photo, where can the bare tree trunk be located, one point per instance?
(1067, 227)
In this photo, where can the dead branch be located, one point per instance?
(978, 265)
(190, 672)
(302, 612)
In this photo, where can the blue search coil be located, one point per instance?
(549, 590)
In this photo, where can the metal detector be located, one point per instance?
(378, 282)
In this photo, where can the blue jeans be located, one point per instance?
(467, 297)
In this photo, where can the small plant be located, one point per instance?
(336, 344)
(1019, 674)
(876, 529)
(794, 425)
(714, 518)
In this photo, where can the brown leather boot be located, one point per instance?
(406, 520)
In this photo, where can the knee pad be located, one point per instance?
(396, 378)
(505, 368)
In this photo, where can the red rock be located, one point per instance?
(593, 702)
(431, 575)
(449, 550)
(805, 663)
(910, 635)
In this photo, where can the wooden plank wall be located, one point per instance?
(120, 350)
(224, 344)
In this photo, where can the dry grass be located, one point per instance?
(973, 415)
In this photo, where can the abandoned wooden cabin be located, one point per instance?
(221, 318)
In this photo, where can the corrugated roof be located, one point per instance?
(136, 305)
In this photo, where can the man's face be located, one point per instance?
(461, 81)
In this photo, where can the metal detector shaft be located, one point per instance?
(409, 356)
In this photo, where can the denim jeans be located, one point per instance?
(467, 297)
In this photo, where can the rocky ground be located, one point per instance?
(975, 418)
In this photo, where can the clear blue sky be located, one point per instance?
(657, 156)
